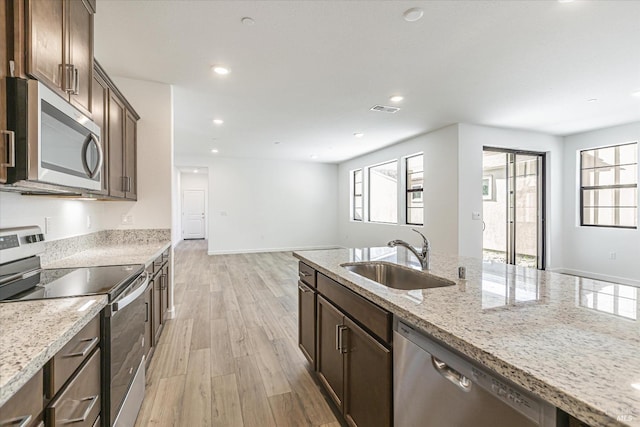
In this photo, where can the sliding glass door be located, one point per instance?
(513, 207)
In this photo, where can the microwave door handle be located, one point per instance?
(11, 156)
(92, 173)
(100, 155)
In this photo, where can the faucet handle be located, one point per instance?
(425, 241)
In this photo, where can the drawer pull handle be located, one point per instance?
(17, 421)
(92, 402)
(304, 289)
(343, 347)
(91, 344)
(305, 274)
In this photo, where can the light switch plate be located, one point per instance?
(476, 215)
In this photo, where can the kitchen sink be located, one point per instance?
(396, 276)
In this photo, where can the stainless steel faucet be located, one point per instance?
(424, 254)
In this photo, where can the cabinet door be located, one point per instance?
(116, 146)
(329, 356)
(100, 108)
(130, 137)
(4, 58)
(80, 56)
(46, 50)
(307, 322)
(157, 309)
(368, 379)
(165, 292)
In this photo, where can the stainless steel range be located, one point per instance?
(122, 323)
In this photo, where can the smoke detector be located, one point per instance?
(385, 109)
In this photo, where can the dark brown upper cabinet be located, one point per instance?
(60, 48)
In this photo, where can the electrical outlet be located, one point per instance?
(612, 255)
(48, 225)
(88, 222)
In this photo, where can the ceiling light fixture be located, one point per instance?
(636, 94)
(223, 71)
(247, 21)
(413, 14)
(218, 122)
(214, 151)
(592, 100)
(314, 156)
(565, 1)
(358, 134)
(396, 98)
(195, 171)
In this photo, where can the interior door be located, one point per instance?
(513, 207)
(193, 218)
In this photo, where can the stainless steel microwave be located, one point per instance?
(55, 144)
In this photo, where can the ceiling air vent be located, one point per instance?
(384, 109)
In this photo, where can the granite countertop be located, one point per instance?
(115, 254)
(51, 324)
(575, 342)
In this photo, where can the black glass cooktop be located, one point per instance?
(69, 282)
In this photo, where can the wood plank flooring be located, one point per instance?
(230, 357)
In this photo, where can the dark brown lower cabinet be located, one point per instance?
(307, 322)
(354, 368)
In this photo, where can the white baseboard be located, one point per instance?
(597, 276)
(287, 249)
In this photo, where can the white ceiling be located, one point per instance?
(307, 72)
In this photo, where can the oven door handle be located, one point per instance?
(121, 303)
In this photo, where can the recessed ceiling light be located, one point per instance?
(358, 134)
(218, 122)
(592, 100)
(413, 14)
(636, 93)
(247, 20)
(214, 151)
(223, 71)
(396, 98)
(565, 1)
(314, 156)
(195, 171)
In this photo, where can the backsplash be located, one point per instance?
(57, 249)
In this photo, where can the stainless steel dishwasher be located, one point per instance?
(435, 387)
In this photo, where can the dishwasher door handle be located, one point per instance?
(459, 380)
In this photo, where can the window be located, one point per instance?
(609, 186)
(357, 195)
(415, 181)
(383, 192)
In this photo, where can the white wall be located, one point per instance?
(587, 249)
(266, 205)
(440, 150)
(195, 181)
(154, 103)
(68, 217)
(472, 139)
(176, 217)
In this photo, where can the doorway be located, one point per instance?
(513, 207)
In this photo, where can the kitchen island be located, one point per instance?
(572, 341)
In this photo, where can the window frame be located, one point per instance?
(410, 191)
(369, 168)
(354, 194)
(583, 188)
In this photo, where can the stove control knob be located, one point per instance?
(34, 238)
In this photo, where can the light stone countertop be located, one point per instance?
(575, 342)
(50, 324)
(112, 255)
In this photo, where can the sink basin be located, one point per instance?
(396, 276)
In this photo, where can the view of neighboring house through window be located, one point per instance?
(415, 181)
(609, 186)
(383, 192)
(357, 195)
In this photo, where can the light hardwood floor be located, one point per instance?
(230, 357)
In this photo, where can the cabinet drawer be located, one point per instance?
(25, 406)
(369, 315)
(67, 360)
(307, 274)
(79, 402)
